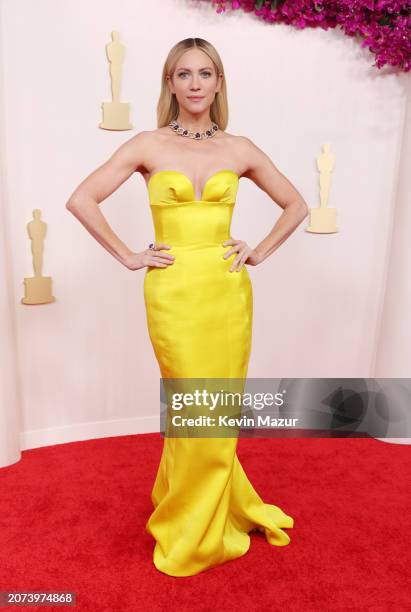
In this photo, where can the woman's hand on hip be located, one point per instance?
(245, 254)
(151, 258)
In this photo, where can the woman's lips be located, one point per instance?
(195, 98)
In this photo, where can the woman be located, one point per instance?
(198, 296)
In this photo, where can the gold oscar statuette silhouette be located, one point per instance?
(323, 219)
(115, 113)
(37, 288)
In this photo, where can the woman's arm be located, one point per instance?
(262, 171)
(84, 202)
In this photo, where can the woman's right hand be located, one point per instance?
(150, 258)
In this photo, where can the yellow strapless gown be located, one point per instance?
(199, 317)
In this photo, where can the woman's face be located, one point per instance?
(195, 75)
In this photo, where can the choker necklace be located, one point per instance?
(196, 135)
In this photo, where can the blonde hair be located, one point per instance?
(167, 106)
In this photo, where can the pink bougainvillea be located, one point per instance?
(384, 26)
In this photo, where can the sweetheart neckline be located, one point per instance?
(190, 181)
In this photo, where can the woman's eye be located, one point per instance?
(203, 74)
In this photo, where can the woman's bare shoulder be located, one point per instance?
(146, 142)
(241, 143)
(243, 146)
(157, 133)
(159, 136)
(242, 140)
(149, 135)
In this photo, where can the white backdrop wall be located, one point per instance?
(85, 363)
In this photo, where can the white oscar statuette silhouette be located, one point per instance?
(37, 288)
(323, 219)
(115, 113)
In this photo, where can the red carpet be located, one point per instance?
(72, 517)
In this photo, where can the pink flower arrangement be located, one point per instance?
(383, 25)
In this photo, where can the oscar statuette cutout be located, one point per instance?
(115, 113)
(37, 288)
(323, 219)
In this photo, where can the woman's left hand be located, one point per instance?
(245, 254)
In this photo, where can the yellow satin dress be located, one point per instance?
(199, 317)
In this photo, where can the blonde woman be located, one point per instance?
(198, 296)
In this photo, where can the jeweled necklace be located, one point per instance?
(179, 129)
